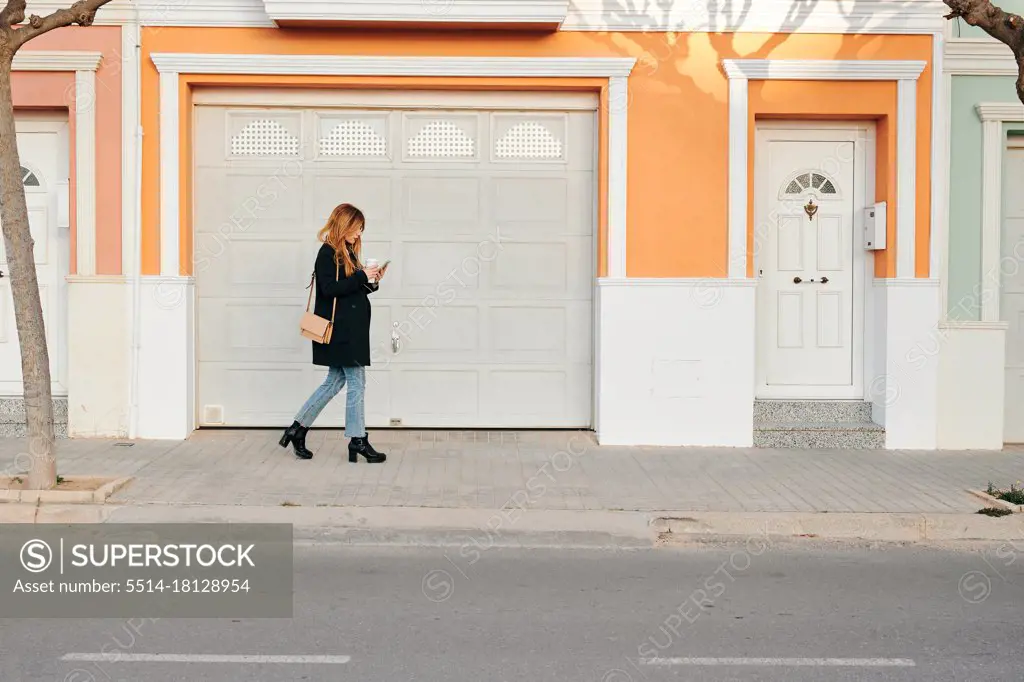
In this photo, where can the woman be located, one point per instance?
(340, 275)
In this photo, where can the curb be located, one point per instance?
(881, 527)
(98, 496)
(493, 527)
(996, 502)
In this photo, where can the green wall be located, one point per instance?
(965, 187)
(962, 30)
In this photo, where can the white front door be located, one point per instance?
(1011, 303)
(42, 146)
(810, 272)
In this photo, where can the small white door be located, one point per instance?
(1011, 303)
(810, 300)
(42, 146)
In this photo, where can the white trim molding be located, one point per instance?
(822, 69)
(84, 66)
(56, 60)
(171, 65)
(905, 73)
(334, 65)
(979, 58)
(993, 115)
(543, 14)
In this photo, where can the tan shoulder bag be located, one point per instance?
(313, 326)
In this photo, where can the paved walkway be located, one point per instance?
(538, 470)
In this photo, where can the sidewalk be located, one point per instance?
(531, 470)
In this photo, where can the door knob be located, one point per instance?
(797, 280)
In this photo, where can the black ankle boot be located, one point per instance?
(361, 446)
(296, 435)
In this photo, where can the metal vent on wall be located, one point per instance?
(353, 138)
(442, 139)
(529, 140)
(264, 137)
(213, 414)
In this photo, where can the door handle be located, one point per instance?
(394, 338)
(797, 280)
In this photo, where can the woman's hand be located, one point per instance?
(372, 273)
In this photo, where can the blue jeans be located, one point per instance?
(355, 416)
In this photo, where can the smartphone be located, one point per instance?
(385, 266)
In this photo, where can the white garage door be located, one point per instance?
(484, 204)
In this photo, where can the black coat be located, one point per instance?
(350, 341)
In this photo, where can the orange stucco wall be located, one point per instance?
(678, 118)
(56, 90)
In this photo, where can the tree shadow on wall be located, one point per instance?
(709, 29)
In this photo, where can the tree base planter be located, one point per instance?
(71, 490)
(996, 502)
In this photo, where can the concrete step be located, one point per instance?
(793, 411)
(819, 435)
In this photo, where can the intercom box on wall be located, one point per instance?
(874, 227)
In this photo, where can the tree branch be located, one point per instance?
(13, 13)
(1003, 26)
(82, 13)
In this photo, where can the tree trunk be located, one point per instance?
(28, 310)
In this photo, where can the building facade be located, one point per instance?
(982, 361)
(691, 227)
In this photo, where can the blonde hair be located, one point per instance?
(345, 221)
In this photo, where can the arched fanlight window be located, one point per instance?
(810, 182)
(28, 178)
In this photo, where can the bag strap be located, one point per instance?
(334, 307)
(312, 283)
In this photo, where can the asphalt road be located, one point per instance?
(723, 612)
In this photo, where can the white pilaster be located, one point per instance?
(618, 135)
(170, 265)
(940, 164)
(906, 178)
(85, 171)
(738, 134)
(991, 216)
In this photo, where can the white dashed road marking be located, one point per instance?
(818, 662)
(204, 658)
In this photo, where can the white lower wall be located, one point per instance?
(166, 381)
(905, 389)
(98, 356)
(972, 378)
(675, 362)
